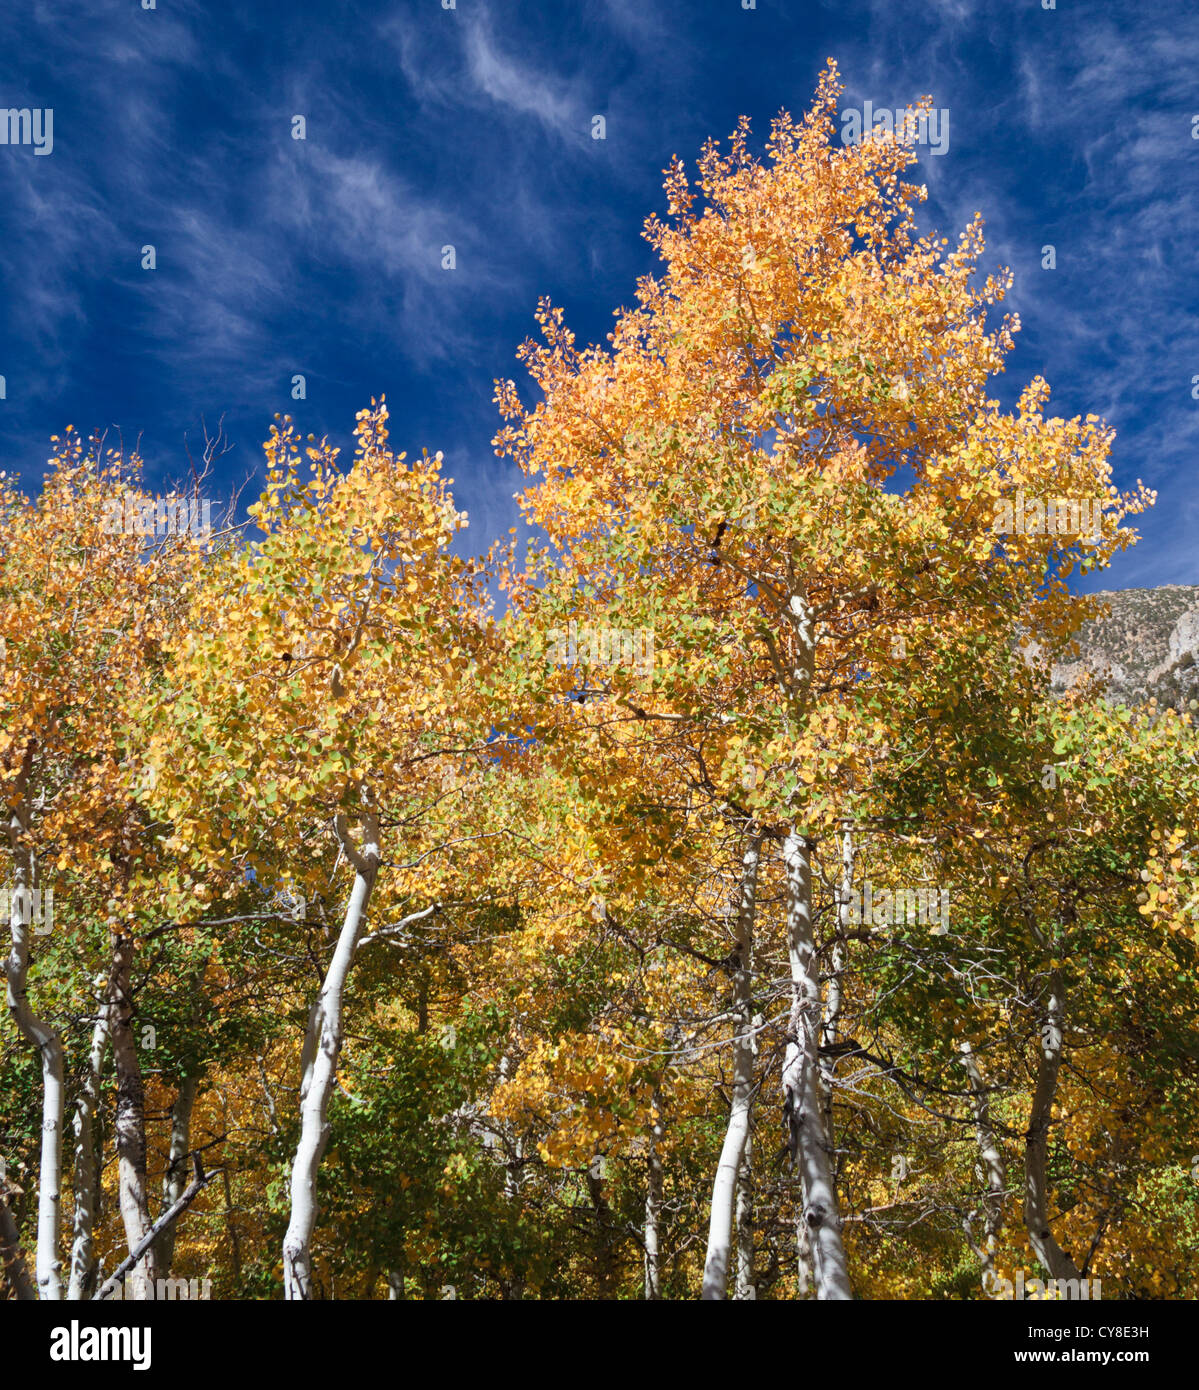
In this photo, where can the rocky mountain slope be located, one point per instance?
(1147, 646)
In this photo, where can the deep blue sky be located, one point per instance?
(472, 127)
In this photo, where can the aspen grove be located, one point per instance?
(703, 895)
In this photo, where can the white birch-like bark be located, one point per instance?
(993, 1166)
(1036, 1142)
(745, 1288)
(804, 1276)
(322, 1046)
(130, 1126)
(48, 1260)
(802, 1109)
(724, 1189)
(174, 1180)
(653, 1212)
(142, 1248)
(87, 1171)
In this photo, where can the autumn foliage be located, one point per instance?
(450, 948)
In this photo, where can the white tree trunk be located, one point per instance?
(804, 1279)
(41, 1036)
(322, 1046)
(87, 1172)
(993, 1166)
(130, 1120)
(745, 1290)
(174, 1180)
(1036, 1143)
(653, 1212)
(802, 1109)
(724, 1189)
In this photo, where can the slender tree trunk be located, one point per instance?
(805, 1279)
(12, 1261)
(230, 1223)
(130, 1119)
(724, 1189)
(322, 1047)
(802, 1108)
(605, 1252)
(139, 1252)
(993, 1167)
(831, 1016)
(87, 1169)
(745, 1289)
(174, 1180)
(231, 1227)
(653, 1208)
(1036, 1143)
(42, 1037)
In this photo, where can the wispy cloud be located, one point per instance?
(471, 128)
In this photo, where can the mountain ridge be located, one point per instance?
(1146, 647)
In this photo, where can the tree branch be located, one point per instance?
(193, 1190)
